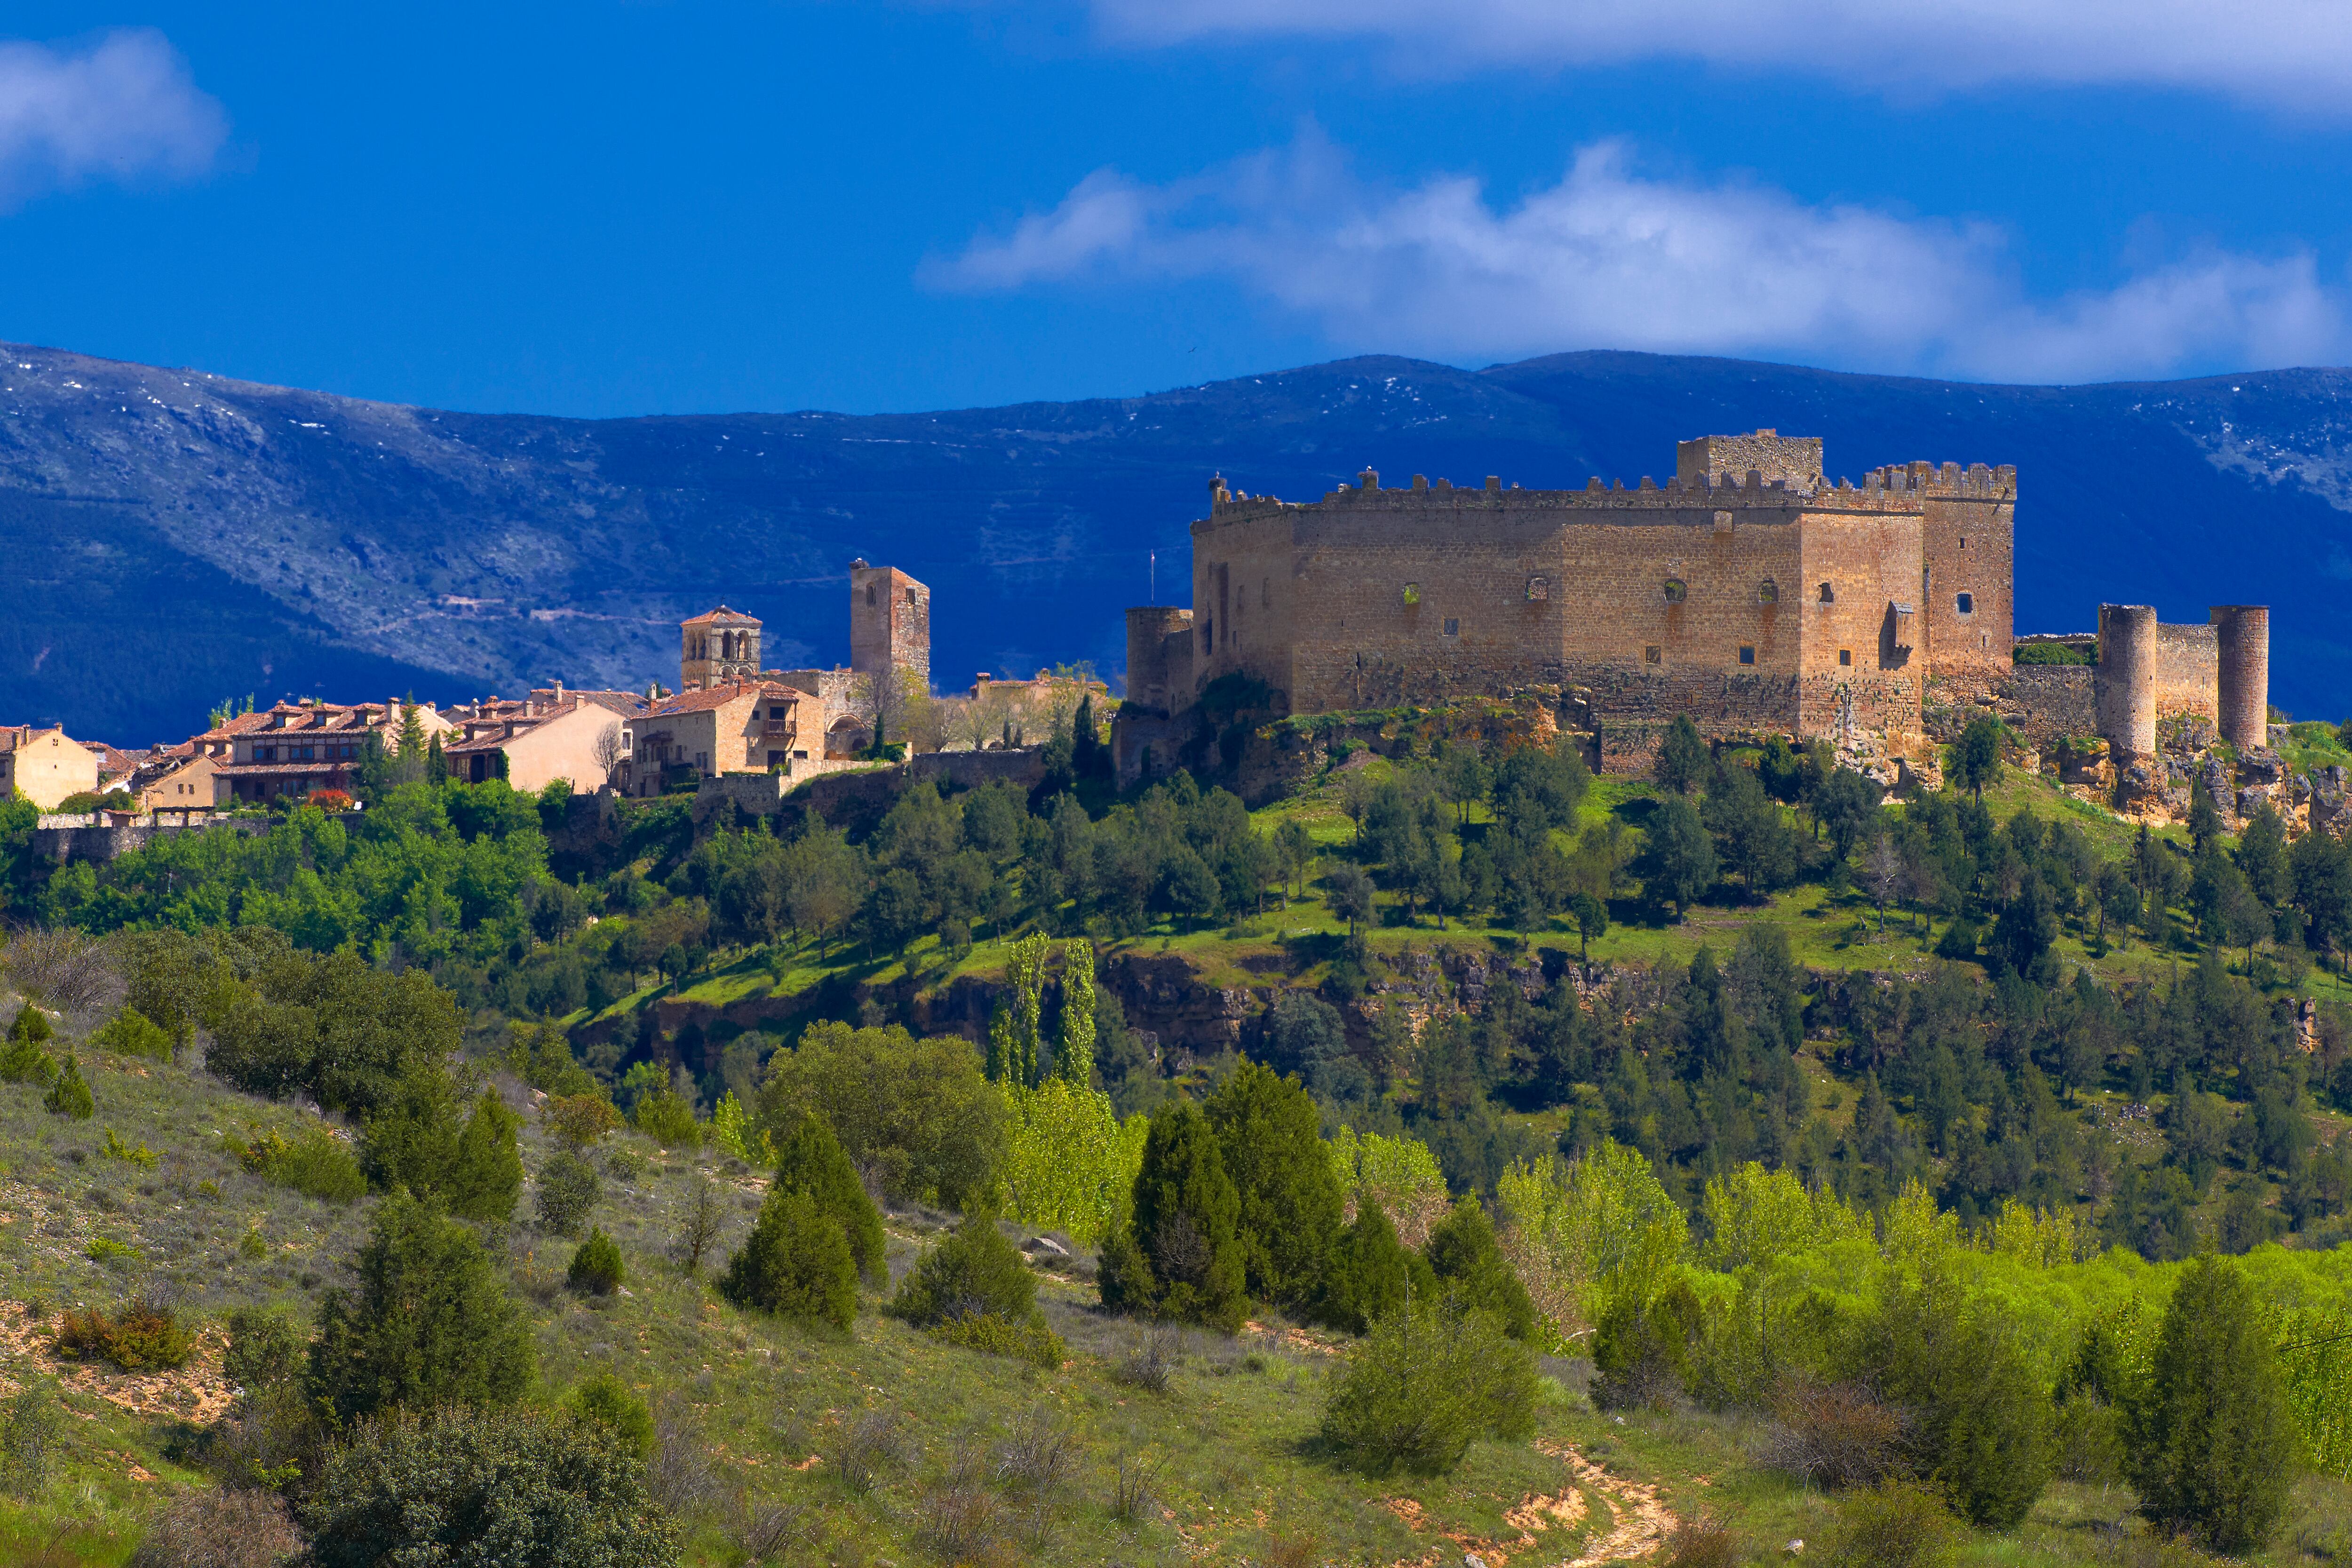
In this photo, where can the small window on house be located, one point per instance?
(1748, 655)
(1967, 604)
(1767, 592)
(1845, 655)
(1675, 590)
(1453, 627)
(1413, 593)
(1652, 654)
(1538, 588)
(1828, 595)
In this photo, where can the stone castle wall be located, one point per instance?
(2188, 673)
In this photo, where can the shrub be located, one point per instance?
(430, 1323)
(32, 1429)
(464, 1486)
(1700, 1541)
(1835, 1436)
(68, 1096)
(22, 1059)
(605, 1399)
(568, 1189)
(796, 1263)
(1473, 1273)
(313, 1161)
(1894, 1525)
(971, 1271)
(1151, 1361)
(668, 1120)
(1422, 1386)
(811, 1161)
(1642, 1349)
(29, 1027)
(130, 1033)
(578, 1120)
(2210, 1444)
(140, 1335)
(1026, 1340)
(918, 1113)
(213, 1527)
(265, 1349)
(1372, 1273)
(1185, 1257)
(596, 1268)
(1269, 1138)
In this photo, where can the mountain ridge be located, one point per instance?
(180, 537)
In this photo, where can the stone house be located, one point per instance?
(299, 748)
(178, 780)
(44, 766)
(574, 736)
(734, 726)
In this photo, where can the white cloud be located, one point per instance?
(1607, 258)
(120, 107)
(2296, 52)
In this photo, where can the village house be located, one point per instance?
(575, 736)
(301, 748)
(730, 727)
(178, 779)
(44, 766)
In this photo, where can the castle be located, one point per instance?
(1749, 591)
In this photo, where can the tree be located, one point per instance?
(1371, 1274)
(1846, 805)
(1349, 893)
(606, 752)
(2028, 925)
(2262, 856)
(1748, 822)
(486, 1176)
(1683, 761)
(1591, 917)
(1181, 1258)
(1423, 1387)
(1269, 1139)
(1473, 1273)
(969, 1272)
(1013, 1029)
(1887, 875)
(698, 1225)
(796, 1263)
(1296, 845)
(2210, 1443)
(811, 1159)
(460, 1486)
(1974, 760)
(1679, 861)
(429, 1324)
(919, 1114)
(2204, 817)
(1074, 1057)
(568, 1189)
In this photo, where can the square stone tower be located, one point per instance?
(1794, 458)
(716, 646)
(890, 622)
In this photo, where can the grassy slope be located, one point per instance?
(1232, 1440)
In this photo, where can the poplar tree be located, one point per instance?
(1074, 1058)
(1012, 1031)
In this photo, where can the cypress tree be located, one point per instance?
(1186, 1214)
(811, 1161)
(1472, 1271)
(2210, 1444)
(429, 1325)
(1270, 1139)
(486, 1176)
(1371, 1274)
(68, 1096)
(796, 1263)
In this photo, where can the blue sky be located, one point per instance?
(619, 208)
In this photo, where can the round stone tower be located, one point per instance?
(2124, 685)
(2243, 633)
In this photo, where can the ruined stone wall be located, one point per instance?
(2188, 673)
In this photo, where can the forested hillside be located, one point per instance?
(1743, 1156)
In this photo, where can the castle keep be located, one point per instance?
(1750, 591)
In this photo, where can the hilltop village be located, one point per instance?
(1750, 593)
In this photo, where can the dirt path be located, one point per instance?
(1640, 1521)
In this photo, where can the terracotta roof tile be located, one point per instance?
(722, 616)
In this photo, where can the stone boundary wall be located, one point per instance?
(102, 843)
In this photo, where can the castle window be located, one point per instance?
(1413, 593)
(1967, 604)
(1829, 594)
(1675, 590)
(1767, 592)
(1652, 654)
(1538, 588)
(869, 593)
(1453, 627)
(1845, 655)
(1748, 655)
(910, 598)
